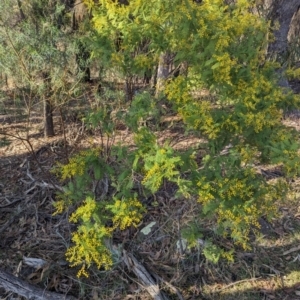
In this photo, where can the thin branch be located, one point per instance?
(24, 141)
(18, 55)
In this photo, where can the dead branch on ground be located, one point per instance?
(16, 285)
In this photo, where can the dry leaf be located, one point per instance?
(147, 229)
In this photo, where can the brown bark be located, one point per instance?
(282, 11)
(81, 13)
(48, 107)
(294, 33)
(163, 72)
(48, 118)
(13, 284)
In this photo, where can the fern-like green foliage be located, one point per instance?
(240, 125)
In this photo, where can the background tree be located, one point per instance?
(80, 27)
(285, 20)
(37, 52)
(281, 13)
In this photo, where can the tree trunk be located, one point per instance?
(80, 13)
(163, 72)
(82, 60)
(294, 38)
(48, 118)
(48, 107)
(282, 11)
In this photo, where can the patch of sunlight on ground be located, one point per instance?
(243, 288)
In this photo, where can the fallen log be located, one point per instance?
(18, 286)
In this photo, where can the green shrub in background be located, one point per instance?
(37, 55)
(240, 124)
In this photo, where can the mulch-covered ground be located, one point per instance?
(33, 241)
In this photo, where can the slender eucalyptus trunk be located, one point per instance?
(48, 118)
(48, 107)
(163, 72)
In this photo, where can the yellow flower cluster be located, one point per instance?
(248, 154)
(239, 220)
(209, 127)
(205, 121)
(88, 241)
(74, 167)
(127, 212)
(63, 201)
(228, 255)
(60, 206)
(206, 191)
(244, 19)
(117, 58)
(237, 209)
(100, 22)
(85, 211)
(89, 249)
(293, 73)
(212, 10)
(260, 120)
(89, 3)
(178, 91)
(223, 67)
(142, 61)
(242, 218)
(162, 165)
(231, 125)
(223, 41)
(186, 12)
(78, 164)
(150, 175)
